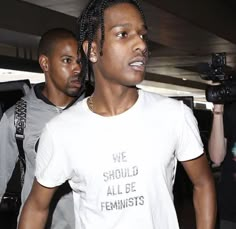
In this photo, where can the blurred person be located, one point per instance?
(122, 175)
(58, 58)
(222, 151)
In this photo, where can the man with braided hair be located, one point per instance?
(122, 175)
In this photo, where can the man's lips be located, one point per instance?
(75, 82)
(138, 63)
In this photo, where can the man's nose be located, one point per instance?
(141, 45)
(77, 68)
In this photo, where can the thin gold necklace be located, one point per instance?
(90, 103)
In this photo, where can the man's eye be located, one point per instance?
(122, 34)
(66, 60)
(143, 36)
(79, 61)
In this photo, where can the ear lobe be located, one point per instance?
(93, 51)
(43, 61)
(93, 58)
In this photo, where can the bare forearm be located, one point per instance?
(35, 211)
(32, 218)
(205, 206)
(216, 143)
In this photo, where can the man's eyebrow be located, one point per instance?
(66, 55)
(121, 25)
(127, 25)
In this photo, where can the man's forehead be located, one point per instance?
(122, 14)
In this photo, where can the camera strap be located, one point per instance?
(20, 124)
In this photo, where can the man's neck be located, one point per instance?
(59, 100)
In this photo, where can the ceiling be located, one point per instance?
(182, 34)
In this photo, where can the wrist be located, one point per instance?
(218, 109)
(217, 112)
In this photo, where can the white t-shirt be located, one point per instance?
(121, 168)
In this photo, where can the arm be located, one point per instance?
(217, 142)
(35, 211)
(8, 151)
(204, 196)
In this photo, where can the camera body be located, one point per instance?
(222, 74)
(223, 93)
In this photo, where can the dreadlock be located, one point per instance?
(92, 18)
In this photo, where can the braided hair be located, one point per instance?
(92, 18)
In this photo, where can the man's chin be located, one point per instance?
(73, 92)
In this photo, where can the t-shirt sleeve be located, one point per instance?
(52, 163)
(189, 144)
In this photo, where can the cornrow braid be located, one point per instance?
(104, 3)
(92, 18)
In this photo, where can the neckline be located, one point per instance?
(125, 113)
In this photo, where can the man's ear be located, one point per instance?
(43, 62)
(93, 51)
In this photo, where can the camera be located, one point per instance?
(219, 72)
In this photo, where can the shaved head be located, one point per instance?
(51, 37)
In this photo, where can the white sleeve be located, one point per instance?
(189, 143)
(52, 163)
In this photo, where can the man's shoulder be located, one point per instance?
(29, 98)
(159, 100)
(68, 115)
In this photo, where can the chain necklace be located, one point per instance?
(90, 103)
